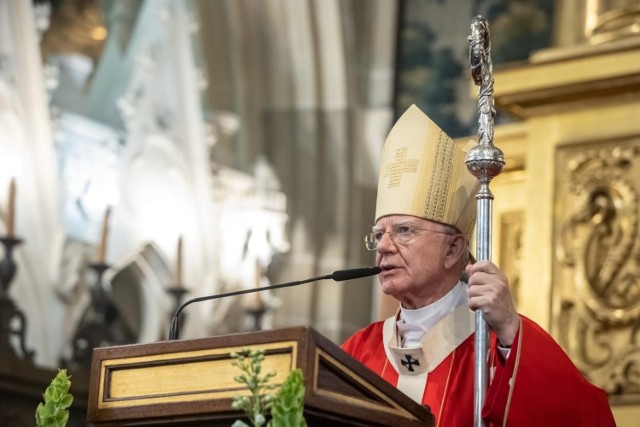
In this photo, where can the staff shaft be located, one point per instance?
(484, 161)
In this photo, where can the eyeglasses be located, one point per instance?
(400, 234)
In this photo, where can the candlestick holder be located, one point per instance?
(13, 322)
(8, 267)
(93, 329)
(256, 314)
(100, 299)
(255, 308)
(177, 292)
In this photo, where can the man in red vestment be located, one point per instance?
(425, 214)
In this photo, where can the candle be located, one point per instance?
(11, 211)
(178, 277)
(102, 248)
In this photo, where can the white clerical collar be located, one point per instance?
(414, 323)
(414, 364)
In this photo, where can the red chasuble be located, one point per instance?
(537, 386)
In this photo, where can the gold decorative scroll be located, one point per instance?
(596, 289)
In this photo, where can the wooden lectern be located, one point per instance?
(190, 382)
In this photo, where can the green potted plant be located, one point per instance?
(57, 400)
(284, 407)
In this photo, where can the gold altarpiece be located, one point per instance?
(566, 215)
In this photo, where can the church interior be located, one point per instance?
(137, 136)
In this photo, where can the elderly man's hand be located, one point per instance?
(489, 292)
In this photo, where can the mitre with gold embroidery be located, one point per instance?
(423, 173)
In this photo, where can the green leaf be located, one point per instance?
(66, 401)
(288, 408)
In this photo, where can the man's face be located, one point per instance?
(411, 252)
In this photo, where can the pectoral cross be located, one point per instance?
(410, 362)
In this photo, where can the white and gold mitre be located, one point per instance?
(423, 173)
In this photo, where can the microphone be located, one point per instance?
(338, 276)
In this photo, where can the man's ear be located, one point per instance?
(455, 250)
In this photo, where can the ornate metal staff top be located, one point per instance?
(484, 161)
